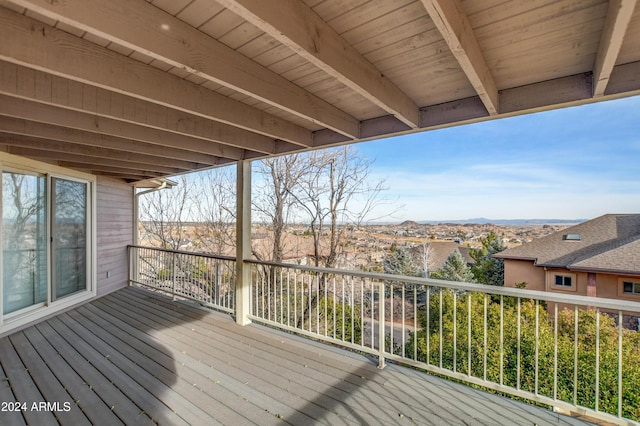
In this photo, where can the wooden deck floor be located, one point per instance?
(135, 357)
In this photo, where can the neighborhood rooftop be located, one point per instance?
(607, 243)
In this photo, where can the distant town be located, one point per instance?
(365, 246)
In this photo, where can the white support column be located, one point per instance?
(243, 242)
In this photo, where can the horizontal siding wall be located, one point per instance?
(115, 232)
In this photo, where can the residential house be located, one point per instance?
(438, 252)
(599, 258)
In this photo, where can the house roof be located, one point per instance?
(439, 251)
(609, 243)
(137, 89)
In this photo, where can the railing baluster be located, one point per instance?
(281, 316)
(597, 359)
(352, 311)
(455, 332)
(440, 325)
(373, 307)
(484, 373)
(501, 339)
(537, 349)
(335, 307)
(469, 334)
(403, 318)
(428, 325)
(295, 298)
(518, 349)
(173, 274)
(319, 277)
(289, 298)
(302, 301)
(620, 395)
(381, 331)
(575, 355)
(555, 351)
(391, 326)
(415, 323)
(261, 294)
(362, 311)
(326, 305)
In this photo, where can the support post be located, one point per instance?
(243, 242)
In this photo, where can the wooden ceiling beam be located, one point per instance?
(18, 126)
(298, 27)
(152, 162)
(145, 28)
(90, 162)
(101, 168)
(615, 27)
(33, 111)
(453, 24)
(31, 43)
(21, 82)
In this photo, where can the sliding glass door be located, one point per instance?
(44, 239)
(24, 241)
(68, 237)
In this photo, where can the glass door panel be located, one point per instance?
(69, 237)
(24, 247)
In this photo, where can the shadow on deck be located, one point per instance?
(135, 357)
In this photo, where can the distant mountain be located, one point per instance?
(510, 222)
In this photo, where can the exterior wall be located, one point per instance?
(607, 285)
(517, 271)
(115, 232)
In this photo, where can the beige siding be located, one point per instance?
(115, 231)
(517, 271)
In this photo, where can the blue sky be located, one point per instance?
(578, 162)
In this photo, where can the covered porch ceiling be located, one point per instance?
(137, 89)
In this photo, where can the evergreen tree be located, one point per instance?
(454, 269)
(488, 269)
(400, 262)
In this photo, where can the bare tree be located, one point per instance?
(336, 195)
(426, 258)
(163, 215)
(273, 198)
(214, 210)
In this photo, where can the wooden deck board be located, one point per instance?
(301, 374)
(9, 417)
(125, 409)
(24, 389)
(134, 356)
(149, 379)
(245, 373)
(142, 396)
(93, 407)
(220, 386)
(52, 391)
(163, 366)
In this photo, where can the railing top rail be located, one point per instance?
(572, 299)
(191, 253)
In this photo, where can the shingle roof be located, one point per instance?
(607, 243)
(439, 251)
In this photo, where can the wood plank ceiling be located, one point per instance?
(138, 89)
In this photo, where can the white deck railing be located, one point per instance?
(570, 352)
(206, 278)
